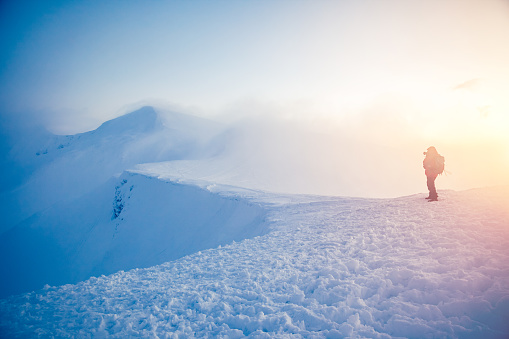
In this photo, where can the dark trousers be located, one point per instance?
(431, 186)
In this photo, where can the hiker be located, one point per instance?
(433, 165)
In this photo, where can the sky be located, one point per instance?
(391, 73)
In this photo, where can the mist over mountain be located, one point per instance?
(69, 216)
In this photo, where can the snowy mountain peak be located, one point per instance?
(143, 120)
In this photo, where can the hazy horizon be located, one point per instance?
(383, 80)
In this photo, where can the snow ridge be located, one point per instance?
(134, 221)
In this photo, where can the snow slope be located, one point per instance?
(129, 222)
(329, 268)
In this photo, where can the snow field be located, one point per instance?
(330, 268)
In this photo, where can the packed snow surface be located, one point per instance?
(329, 267)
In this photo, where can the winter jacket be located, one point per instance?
(429, 165)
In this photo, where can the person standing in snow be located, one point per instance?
(433, 165)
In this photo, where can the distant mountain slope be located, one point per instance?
(63, 168)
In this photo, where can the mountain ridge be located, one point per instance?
(66, 167)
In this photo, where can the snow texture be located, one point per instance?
(168, 249)
(329, 267)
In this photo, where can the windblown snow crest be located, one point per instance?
(131, 222)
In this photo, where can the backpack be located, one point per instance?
(439, 164)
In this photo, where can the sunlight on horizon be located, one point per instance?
(374, 77)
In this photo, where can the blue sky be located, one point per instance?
(78, 63)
